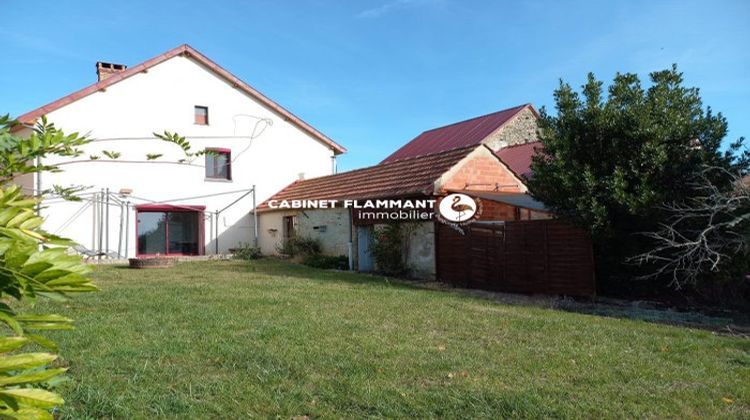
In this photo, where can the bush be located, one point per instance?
(247, 252)
(340, 262)
(299, 246)
(389, 248)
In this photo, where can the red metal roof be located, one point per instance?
(405, 177)
(186, 50)
(461, 134)
(518, 158)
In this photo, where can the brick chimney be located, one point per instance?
(105, 70)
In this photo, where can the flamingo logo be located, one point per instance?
(458, 208)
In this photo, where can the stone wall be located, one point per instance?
(329, 226)
(271, 230)
(420, 256)
(521, 129)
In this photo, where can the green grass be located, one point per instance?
(235, 339)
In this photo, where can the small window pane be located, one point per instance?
(218, 164)
(201, 115)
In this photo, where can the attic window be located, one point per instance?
(201, 115)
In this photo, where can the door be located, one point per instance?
(290, 227)
(152, 233)
(168, 231)
(182, 233)
(364, 255)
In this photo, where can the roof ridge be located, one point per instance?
(192, 53)
(517, 145)
(518, 107)
(382, 164)
(472, 146)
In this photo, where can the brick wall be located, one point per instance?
(482, 172)
(492, 210)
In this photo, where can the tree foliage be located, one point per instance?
(18, 155)
(611, 162)
(33, 264)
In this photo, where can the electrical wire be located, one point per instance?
(253, 135)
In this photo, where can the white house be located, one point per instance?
(138, 204)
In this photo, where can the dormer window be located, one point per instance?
(201, 115)
(219, 164)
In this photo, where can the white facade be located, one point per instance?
(267, 152)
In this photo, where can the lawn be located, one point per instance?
(235, 339)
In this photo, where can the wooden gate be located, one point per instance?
(540, 256)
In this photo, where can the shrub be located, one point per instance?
(299, 246)
(340, 262)
(389, 248)
(247, 252)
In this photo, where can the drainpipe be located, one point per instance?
(255, 220)
(351, 257)
(122, 223)
(106, 224)
(127, 227)
(217, 233)
(101, 225)
(334, 167)
(94, 212)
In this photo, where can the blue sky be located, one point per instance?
(374, 74)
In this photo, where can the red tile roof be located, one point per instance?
(405, 177)
(518, 158)
(186, 50)
(461, 134)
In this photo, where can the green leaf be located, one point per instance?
(20, 218)
(12, 343)
(42, 318)
(34, 397)
(26, 413)
(48, 326)
(25, 361)
(32, 269)
(72, 279)
(43, 341)
(110, 154)
(56, 296)
(32, 376)
(9, 320)
(32, 223)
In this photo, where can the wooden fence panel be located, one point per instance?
(537, 256)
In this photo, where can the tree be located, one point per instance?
(33, 264)
(610, 163)
(708, 234)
